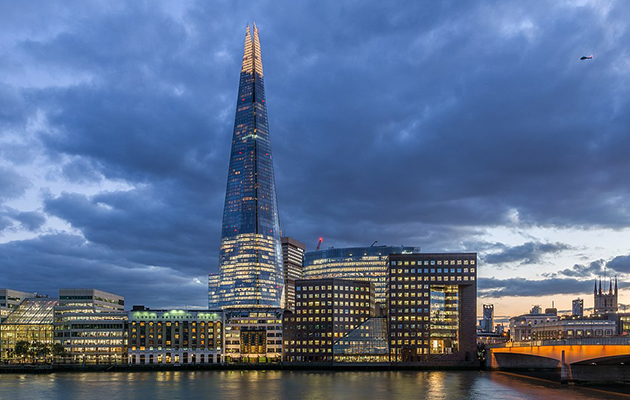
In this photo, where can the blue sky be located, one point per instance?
(448, 126)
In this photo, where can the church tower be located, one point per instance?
(606, 302)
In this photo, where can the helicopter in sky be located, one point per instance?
(587, 57)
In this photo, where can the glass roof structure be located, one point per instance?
(33, 312)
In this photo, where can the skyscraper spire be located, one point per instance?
(250, 258)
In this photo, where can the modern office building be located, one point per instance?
(293, 262)
(325, 311)
(213, 288)
(31, 321)
(521, 326)
(606, 302)
(577, 308)
(10, 298)
(91, 325)
(486, 324)
(368, 263)
(367, 343)
(173, 337)
(433, 308)
(253, 336)
(250, 256)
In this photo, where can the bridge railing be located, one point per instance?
(566, 342)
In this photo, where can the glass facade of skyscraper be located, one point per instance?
(368, 263)
(250, 259)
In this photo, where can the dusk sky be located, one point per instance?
(451, 126)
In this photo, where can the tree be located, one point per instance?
(22, 349)
(58, 350)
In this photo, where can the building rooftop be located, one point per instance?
(33, 312)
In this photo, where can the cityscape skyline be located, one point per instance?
(105, 180)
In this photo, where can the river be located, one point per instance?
(272, 385)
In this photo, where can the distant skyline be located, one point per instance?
(446, 126)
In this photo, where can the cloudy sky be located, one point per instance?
(453, 126)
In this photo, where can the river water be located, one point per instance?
(271, 385)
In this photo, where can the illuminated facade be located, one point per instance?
(574, 329)
(91, 326)
(293, 263)
(31, 321)
(432, 308)
(367, 343)
(521, 325)
(325, 311)
(367, 263)
(175, 337)
(250, 258)
(253, 336)
(10, 299)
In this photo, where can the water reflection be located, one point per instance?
(271, 385)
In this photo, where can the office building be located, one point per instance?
(253, 336)
(175, 337)
(432, 308)
(606, 301)
(250, 256)
(325, 311)
(521, 326)
(368, 343)
(90, 324)
(577, 308)
(31, 321)
(363, 263)
(293, 261)
(573, 329)
(10, 299)
(486, 324)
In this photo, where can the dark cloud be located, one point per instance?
(81, 171)
(383, 128)
(12, 184)
(64, 260)
(620, 264)
(527, 253)
(29, 220)
(596, 269)
(514, 287)
(590, 270)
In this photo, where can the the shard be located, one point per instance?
(250, 260)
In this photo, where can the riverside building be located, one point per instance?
(432, 308)
(31, 321)
(293, 261)
(90, 324)
(363, 263)
(325, 311)
(175, 337)
(253, 336)
(521, 325)
(10, 298)
(250, 255)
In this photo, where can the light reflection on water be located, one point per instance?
(271, 385)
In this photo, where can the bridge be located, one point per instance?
(592, 359)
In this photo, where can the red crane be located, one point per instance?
(319, 243)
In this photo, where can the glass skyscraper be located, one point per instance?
(250, 259)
